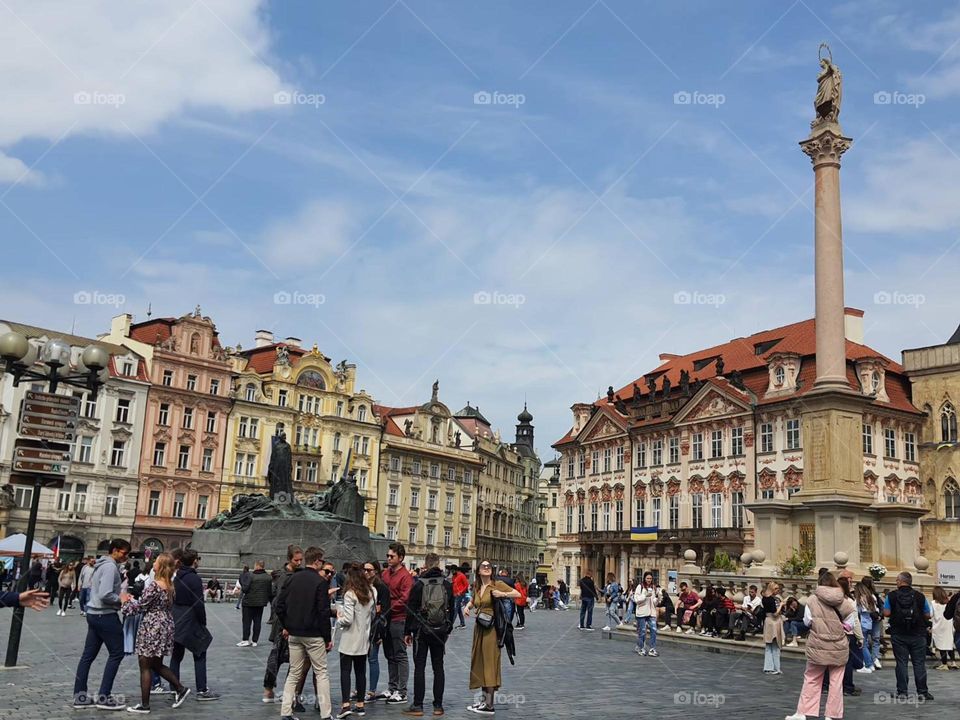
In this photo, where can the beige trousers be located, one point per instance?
(307, 652)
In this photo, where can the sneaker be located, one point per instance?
(345, 712)
(856, 691)
(641, 651)
(413, 711)
(243, 643)
(397, 699)
(606, 628)
(868, 670)
(207, 695)
(268, 699)
(386, 694)
(703, 632)
(157, 690)
(653, 653)
(482, 709)
(83, 702)
(796, 716)
(289, 717)
(679, 629)
(298, 706)
(926, 696)
(360, 711)
(877, 665)
(371, 696)
(139, 709)
(580, 627)
(589, 629)
(689, 631)
(437, 711)
(792, 643)
(180, 697)
(110, 702)
(253, 644)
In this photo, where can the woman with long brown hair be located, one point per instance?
(155, 635)
(772, 628)
(485, 654)
(66, 580)
(359, 601)
(942, 631)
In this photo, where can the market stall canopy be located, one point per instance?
(13, 547)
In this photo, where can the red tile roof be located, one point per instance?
(741, 355)
(152, 331)
(262, 359)
(386, 415)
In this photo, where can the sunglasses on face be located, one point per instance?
(369, 570)
(486, 566)
(327, 572)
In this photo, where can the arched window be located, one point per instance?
(951, 500)
(875, 381)
(779, 375)
(250, 393)
(948, 423)
(362, 413)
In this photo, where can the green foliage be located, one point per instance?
(798, 564)
(722, 563)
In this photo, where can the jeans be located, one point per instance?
(422, 644)
(914, 649)
(398, 665)
(280, 647)
(643, 623)
(586, 611)
(307, 652)
(373, 661)
(771, 657)
(871, 640)
(459, 601)
(101, 630)
(199, 665)
(252, 616)
(631, 612)
(612, 618)
(795, 628)
(84, 596)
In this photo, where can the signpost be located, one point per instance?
(41, 458)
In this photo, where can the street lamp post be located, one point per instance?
(20, 360)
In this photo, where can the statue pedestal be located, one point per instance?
(267, 538)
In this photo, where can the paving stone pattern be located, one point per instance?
(560, 673)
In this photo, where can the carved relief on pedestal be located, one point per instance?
(870, 482)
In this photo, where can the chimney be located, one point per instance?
(853, 325)
(263, 338)
(668, 356)
(581, 414)
(120, 325)
(293, 341)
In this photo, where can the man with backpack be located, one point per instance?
(429, 623)
(908, 612)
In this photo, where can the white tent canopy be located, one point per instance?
(13, 547)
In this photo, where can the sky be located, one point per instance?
(528, 201)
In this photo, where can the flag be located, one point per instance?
(644, 533)
(56, 547)
(347, 463)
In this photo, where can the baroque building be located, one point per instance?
(279, 385)
(935, 376)
(551, 512)
(181, 463)
(99, 497)
(427, 482)
(507, 508)
(684, 454)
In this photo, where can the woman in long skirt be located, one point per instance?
(485, 654)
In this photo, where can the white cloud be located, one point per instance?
(315, 238)
(13, 170)
(103, 67)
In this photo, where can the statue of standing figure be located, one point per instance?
(280, 470)
(829, 90)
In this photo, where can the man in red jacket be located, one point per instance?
(398, 579)
(460, 587)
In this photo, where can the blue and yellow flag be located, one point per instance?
(644, 533)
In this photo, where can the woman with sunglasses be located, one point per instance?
(485, 654)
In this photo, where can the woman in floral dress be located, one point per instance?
(155, 635)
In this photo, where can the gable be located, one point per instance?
(600, 427)
(711, 403)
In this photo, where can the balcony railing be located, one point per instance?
(668, 536)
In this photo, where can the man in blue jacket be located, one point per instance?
(103, 628)
(190, 621)
(33, 599)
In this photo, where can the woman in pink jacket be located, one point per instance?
(831, 617)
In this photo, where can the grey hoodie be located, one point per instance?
(105, 587)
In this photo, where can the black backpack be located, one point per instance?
(906, 611)
(434, 605)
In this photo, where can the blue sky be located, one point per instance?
(223, 151)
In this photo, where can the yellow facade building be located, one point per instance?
(322, 414)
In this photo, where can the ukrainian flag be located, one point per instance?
(644, 533)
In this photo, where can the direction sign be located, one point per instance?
(48, 416)
(54, 460)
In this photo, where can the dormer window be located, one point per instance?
(875, 382)
(779, 375)
(250, 392)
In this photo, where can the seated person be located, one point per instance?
(793, 626)
(708, 611)
(688, 606)
(215, 590)
(666, 610)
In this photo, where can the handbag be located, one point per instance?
(485, 619)
(856, 649)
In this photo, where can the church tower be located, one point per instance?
(524, 428)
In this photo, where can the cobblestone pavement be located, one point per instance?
(560, 673)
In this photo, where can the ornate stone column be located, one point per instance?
(825, 146)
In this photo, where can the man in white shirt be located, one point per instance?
(647, 599)
(744, 616)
